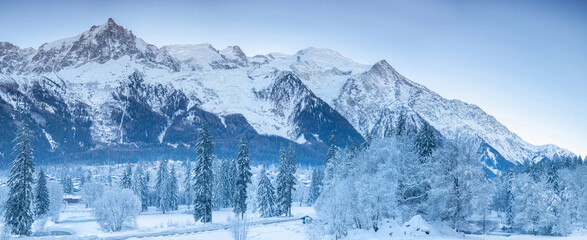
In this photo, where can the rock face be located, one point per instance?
(106, 95)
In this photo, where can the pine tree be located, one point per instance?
(187, 183)
(173, 189)
(243, 178)
(286, 180)
(41, 196)
(203, 176)
(141, 188)
(126, 179)
(265, 196)
(316, 184)
(19, 216)
(161, 186)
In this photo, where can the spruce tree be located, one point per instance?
(187, 183)
(141, 188)
(67, 183)
(126, 179)
(265, 196)
(19, 216)
(509, 208)
(41, 196)
(161, 186)
(243, 178)
(286, 180)
(400, 130)
(203, 176)
(173, 189)
(316, 184)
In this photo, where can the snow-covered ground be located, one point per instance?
(180, 225)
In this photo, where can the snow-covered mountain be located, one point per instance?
(106, 92)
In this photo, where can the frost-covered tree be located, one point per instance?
(286, 180)
(140, 188)
(126, 178)
(426, 141)
(41, 196)
(455, 183)
(243, 177)
(224, 183)
(117, 210)
(91, 192)
(19, 215)
(163, 200)
(332, 149)
(531, 205)
(265, 196)
(55, 200)
(203, 176)
(187, 185)
(316, 184)
(67, 183)
(172, 189)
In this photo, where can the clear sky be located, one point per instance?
(524, 62)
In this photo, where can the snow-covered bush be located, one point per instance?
(239, 228)
(117, 209)
(315, 231)
(55, 200)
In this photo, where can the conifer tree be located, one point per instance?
(173, 189)
(286, 180)
(265, 196)
(67, 183)
(203, 176)
(41, 196)
(126, 179)
(426, 141)
(316, 184)
(19, 215)
(187, 183)
(141, 188)
(243, 178)
(332, 149)
(161, 186)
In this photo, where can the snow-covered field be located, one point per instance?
(179, 225)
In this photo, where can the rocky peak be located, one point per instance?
(100, 44)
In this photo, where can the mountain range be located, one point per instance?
(107, 95)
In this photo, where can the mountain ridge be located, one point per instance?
(353, 98)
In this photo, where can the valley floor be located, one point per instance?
(78, 223)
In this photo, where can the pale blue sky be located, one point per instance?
(524, 62)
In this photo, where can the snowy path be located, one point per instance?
(205, 228)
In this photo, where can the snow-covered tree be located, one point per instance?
(265, 196)
(224, 183)
(19, 215)
(426, 141)
(55, 200)
(91, 192)
(67, 184)
(163, 199)
(41, 196)
(332, 149)
(531, 205)
(286, 180)
(126, 178)
(187, 185)
(454, 185)
(203, 176)
(140, 188)
(172, 189)
(117, 210)
(316, 184)
(243, 178)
